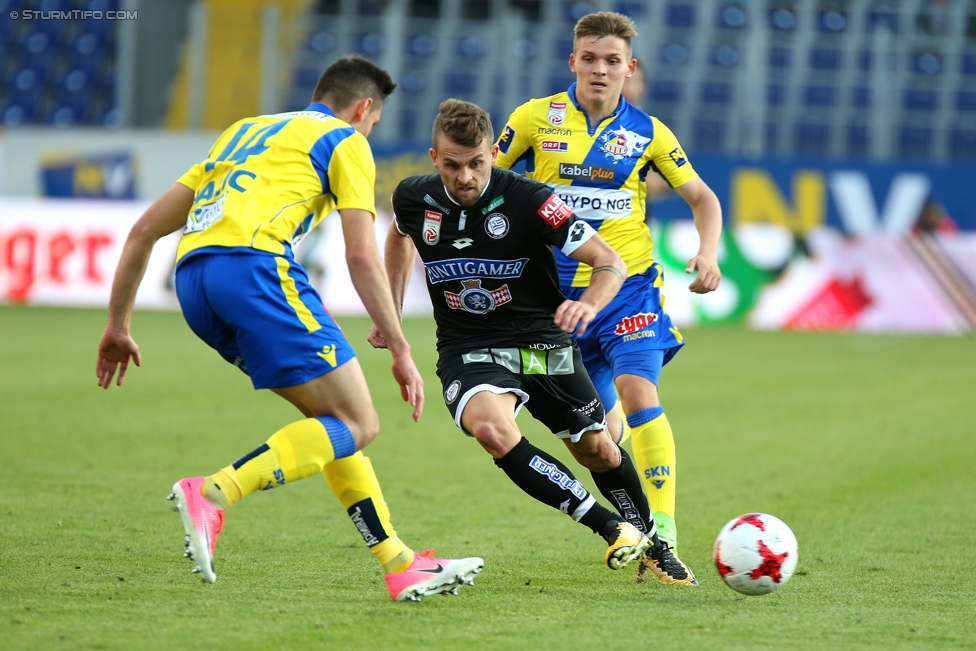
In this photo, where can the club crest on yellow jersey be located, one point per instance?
(622, 143)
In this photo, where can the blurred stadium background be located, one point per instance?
(840, 136)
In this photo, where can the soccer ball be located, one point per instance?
(755, 553)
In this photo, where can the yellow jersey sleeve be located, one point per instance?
(515, 138)
(192, 178)
(668, 158)
(352, 174)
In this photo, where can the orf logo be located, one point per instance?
(631, 324)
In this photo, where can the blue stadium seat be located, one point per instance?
(408, 120)
(826, 59)
(675, 54)
(559, 82)
(680, 15)
(708, 135)
(422, 45)
(665, 91)
(775, 94)
(819, 96)
(858, 141)
(921, 100)
(963, 144)
(832, 20)
(307, 77)
(321, 42)
(969, 63)
(965, 101)
(459, 83)
(779, 57)
(882, 17)
(563, 48)
(865, 60)
(414, 82)
(926, 63)
(369, 45)
(633, 9)
(915, 141)
(725, 56)
(732, 16)
(861, 97)
(783, 19)
(812, 138)
(473, 47)
(715, 93)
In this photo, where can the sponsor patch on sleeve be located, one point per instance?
(554, 211)
(678, 157)
(508, 135)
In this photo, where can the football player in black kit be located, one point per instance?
(485, 236)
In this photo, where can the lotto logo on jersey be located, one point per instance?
(554, 211)
(557, 113)
(631, 324)
(555, 145)
(432, 227)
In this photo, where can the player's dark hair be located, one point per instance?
(350, 79)
(464, 123)
(604, 23)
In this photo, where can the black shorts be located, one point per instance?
(552, 384)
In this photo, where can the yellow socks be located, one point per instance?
(353, 481)
(295, 451)
(653, 445)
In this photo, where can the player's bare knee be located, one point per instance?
(597, 454)
(364, 428)
(494, 436)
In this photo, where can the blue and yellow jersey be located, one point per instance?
(597, 170)
(271, 179)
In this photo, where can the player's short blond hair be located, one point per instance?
(604, 23)
(464, 123)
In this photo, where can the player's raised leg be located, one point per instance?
(490, 418)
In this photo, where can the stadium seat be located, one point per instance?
(473, 47)
(915, 141)
(725, 56)
(861, 97)
(858, 140)
(775, 94)
(882, 17)
(779, 57)
(966, 101)
(812, 138)
(369, 45)
(665, 91)
(635, 10)
(826, 59)
(709, 135)
(732, 16)
(680, 15)
(969, 63)
(559, 82)
(459, 83)
(963, 144)
(819, 96)
(321, 42)
(422, 45)
(921, 100)
(783, 19)
(675, 54)
(926, 63)
(715, 93)
(832, 20)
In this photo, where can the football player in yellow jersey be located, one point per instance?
(596, 151)
(267, 181)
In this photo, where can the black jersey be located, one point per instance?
(491, 271)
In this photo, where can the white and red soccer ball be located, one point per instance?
(755, 553)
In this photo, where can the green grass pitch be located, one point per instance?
(864, 445)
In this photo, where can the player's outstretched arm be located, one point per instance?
(708, 220)
(398, 257)
(116, 347)
(609, 273)
(369, 279)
